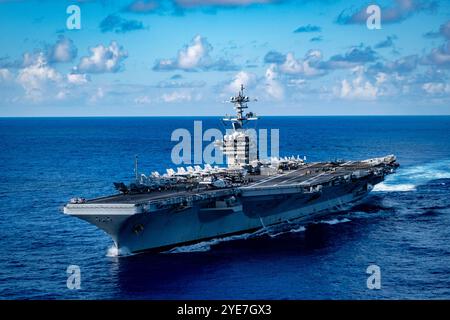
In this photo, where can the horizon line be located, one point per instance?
(218, 116)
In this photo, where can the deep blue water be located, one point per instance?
(403, 226)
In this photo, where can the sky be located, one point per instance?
(187, 57)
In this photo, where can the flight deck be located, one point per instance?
(307, 175)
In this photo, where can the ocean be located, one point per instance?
(402, 226)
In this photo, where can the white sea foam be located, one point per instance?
(408, 178)
(113, 251)
(334, 221)
(198, 247)
(394, 188)
(206, 245)
(295, 230)
(299, 229)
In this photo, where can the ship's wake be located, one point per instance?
(384, 187)
(334, 221)
(206, 245)
(407, 179)
(271, 231)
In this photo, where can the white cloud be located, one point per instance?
(143, 6)
(305, 67)
(439, 56)
(381, 78)
(247, 79)
(166, 64)
(273, 87)
(298, 83)
(5, 75)
(224, 3)
(37, 78)
(62, 94)
(396, 11)
(103, 59)
(358, 88)
(32, 58)
(194, 57)
(268, 85)
(142, 100)
(436, 88)
(177, 96)
(63, 50)
(77, 78)
(291, 65)
(98, 95)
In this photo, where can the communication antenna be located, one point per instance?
(136, 167)
(240, 103)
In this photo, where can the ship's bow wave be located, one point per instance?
(409, 178)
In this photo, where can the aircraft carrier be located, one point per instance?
(188, 205)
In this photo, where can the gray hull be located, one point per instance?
(255, 208)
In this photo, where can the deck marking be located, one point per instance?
(271, 178)
(285, 181)
(313, 178)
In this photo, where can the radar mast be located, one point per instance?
(240, 103)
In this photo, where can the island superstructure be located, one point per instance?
(160, 211)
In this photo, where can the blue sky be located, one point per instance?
(187, 57)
